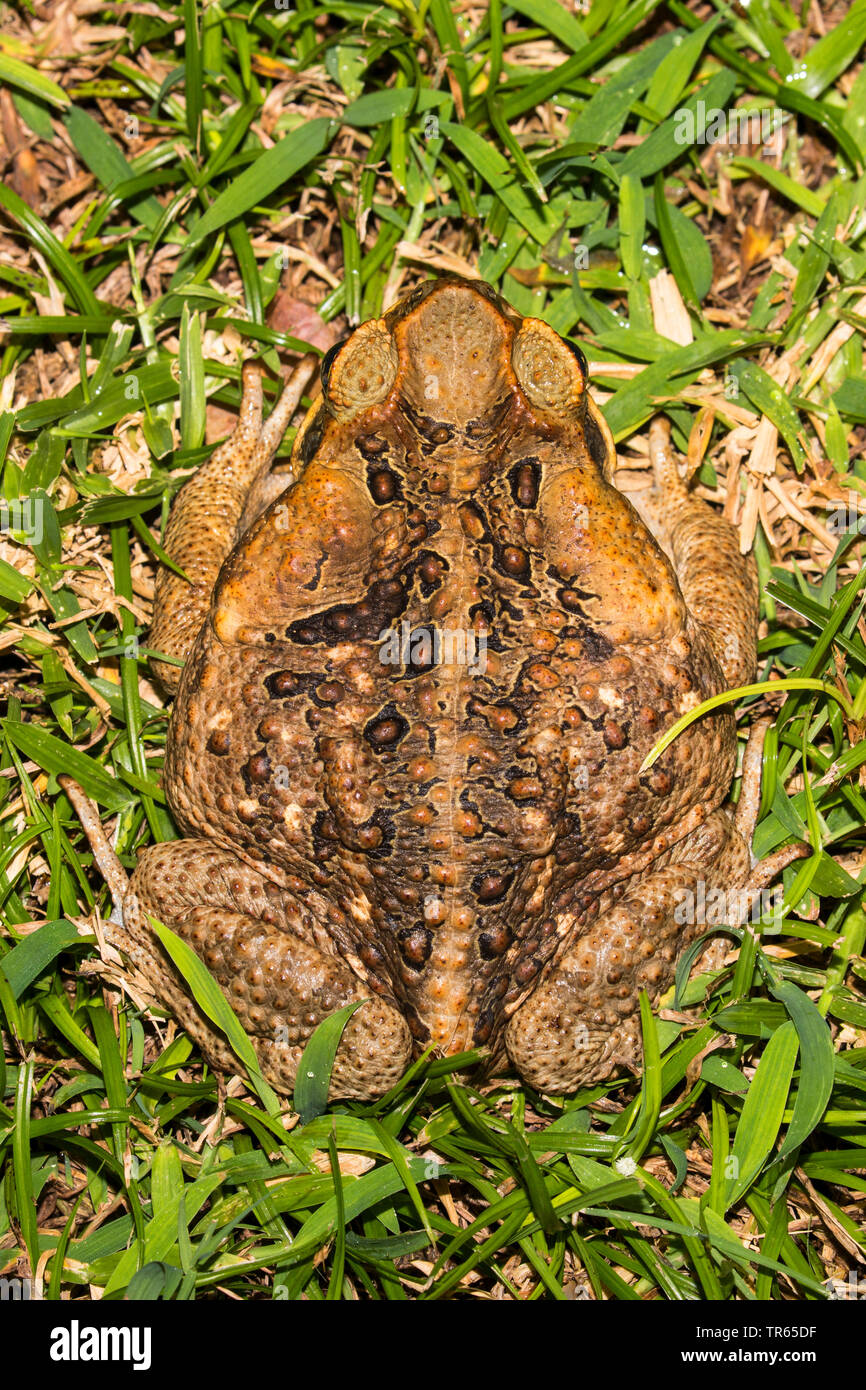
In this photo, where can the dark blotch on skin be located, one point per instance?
(327, 363)
(494, 942)
(383, 484)
(281, 684)
(660, 781)
(571, 602)
(431, 570)
(330, 692)
(371, 446)
(421, 654)
(418, 1030)
(514, 561)
(325, 832)
(614, 735)
(594, 440)
(259, 769)
(415, 944)
(489, 888)
(374, 838)
(486, 1023)
(313, 436)
(579, 354)
(432, 432)
(363, 621)
(386, 729)
(596, 647)
(524, 479)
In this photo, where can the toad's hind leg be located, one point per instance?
(583, 1021)
(258, 942)
(209, 514)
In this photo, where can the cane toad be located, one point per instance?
(419, 684)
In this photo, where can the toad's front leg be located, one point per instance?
(719, 584)
(210, 513)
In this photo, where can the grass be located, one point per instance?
(165, 209)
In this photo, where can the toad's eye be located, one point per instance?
(572, 346)
(550, 371)
(360, 371)
(596, 442)
(328, 361)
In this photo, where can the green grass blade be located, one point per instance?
(54, 251)
(193, 405)
(270, 170)
(26, 78)
(32, 956)
(56, 756)
(313, 1078)
(25, 1200)
(762, 1112)
(213, 1002)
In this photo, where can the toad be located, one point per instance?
(420, 678)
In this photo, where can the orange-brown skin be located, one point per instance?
(469, 846)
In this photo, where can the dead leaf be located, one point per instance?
(754, 247)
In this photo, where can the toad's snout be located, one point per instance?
(455, 354)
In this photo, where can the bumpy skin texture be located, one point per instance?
(468, 845)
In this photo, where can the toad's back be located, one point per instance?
(433, 667)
